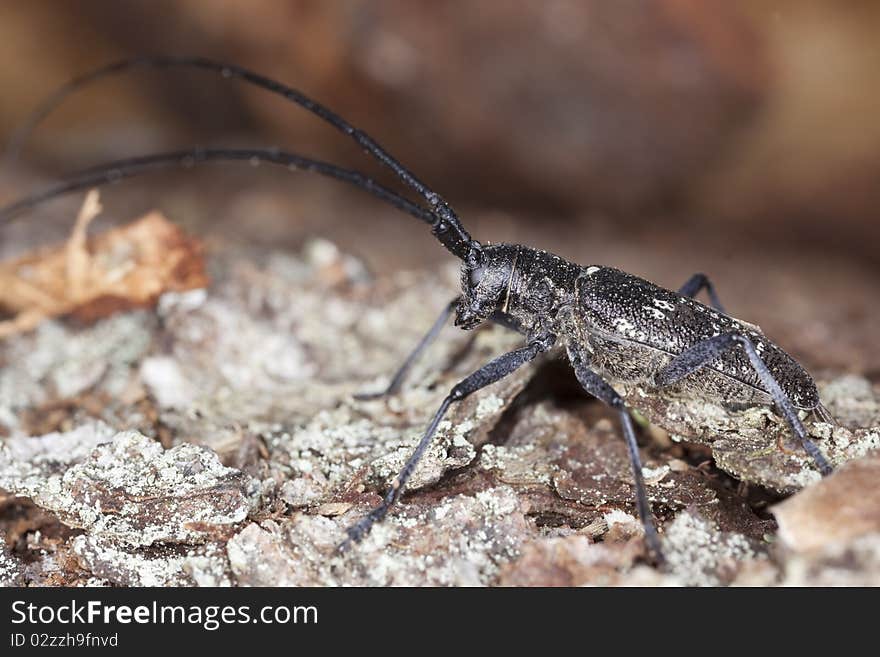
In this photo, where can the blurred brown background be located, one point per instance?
(660, 136)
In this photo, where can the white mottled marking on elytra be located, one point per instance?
(656, 313)
(665, 305)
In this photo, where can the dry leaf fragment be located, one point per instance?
(123, 268)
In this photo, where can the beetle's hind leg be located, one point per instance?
(706, 351)
(599, 388)
(426, 341)
(489, 373)
(699, 282)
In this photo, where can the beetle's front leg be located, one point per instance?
(706, 351)
(426, 341)
(489, 373)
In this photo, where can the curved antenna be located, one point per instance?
(127, 168)
(446, 226)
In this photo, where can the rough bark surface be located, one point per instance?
(216, 440)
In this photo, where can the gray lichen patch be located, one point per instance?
(336, 447)
(123, 565)
(34, 467)
(134, 490)
(360, 445)
(462, 540)
(12, 569)
(129, 488)
(58, 362)
(700, 554)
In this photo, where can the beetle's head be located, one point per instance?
(485, 278)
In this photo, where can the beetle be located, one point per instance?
(614, 328)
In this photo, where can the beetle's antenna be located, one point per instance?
(127, 168)
(446, 225)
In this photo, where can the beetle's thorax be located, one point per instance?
(517, 282)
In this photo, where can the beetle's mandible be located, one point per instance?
(615, 328)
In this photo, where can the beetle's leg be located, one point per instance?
(489, 373)
(427, 340)
(599, 388)
(699, 282)
(423, 344)
(703, 353)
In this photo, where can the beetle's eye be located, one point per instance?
(477, 275)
